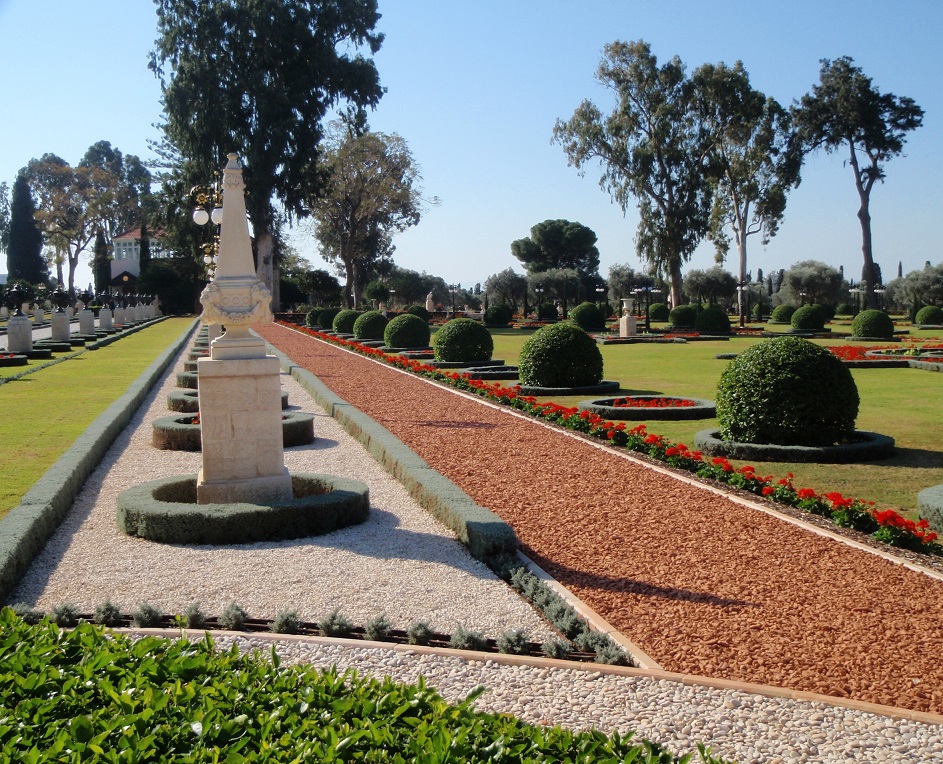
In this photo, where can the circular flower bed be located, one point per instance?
(182, 433)
(865, 446)
(650, 407)
(13, 359)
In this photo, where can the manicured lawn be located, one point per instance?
(903, 403)
(44, 412)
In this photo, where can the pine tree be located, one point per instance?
(24, 254)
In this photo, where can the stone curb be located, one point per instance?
(504, 659)
(25, 529)
(482, 531)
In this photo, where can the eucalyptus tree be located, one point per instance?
(259, 79)
(845, 111)
(371, 191)
(754, 160)
(652, 148)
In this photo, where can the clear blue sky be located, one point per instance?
(475, 89)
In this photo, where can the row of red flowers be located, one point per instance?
(860, 352)
(885, 525)
(653, 402)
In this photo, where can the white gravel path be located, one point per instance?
(403, 563)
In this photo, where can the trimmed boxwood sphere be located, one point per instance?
(498, 315)
(782, 314)
(560, 355)
(370, 325)
(463, 339)
(326, 318)
(406, 331)
(808, 318)
(844, 309)
(683, 316)
(658, 311)
(311, 317)
(929, 314)
(712, 320)
(419, 310)
(343, 322)
(548, 312)
(588, 316)
(787, 391)
(872, 323)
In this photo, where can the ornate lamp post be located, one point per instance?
(879, 291)
(208, 201)
(855, 291)
(802, 296)
(453, 289)
(648, 291)
(743, 292)
(538, 290)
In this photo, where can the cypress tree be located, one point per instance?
(101, 263)
(25, 253)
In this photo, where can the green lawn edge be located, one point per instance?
(484, 533)
(25, 529)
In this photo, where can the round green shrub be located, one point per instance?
(712, 320)
(326, 318)
(872, 323)
(419, 310)
(463, 339)
(683, 317)
(547, 312)
(658, 311)
(844, 309)
(782, 314)
(588, 317)
(311, 317)
(560, 355)
(787, 391)
(808, 318)
(498, 315)
(406, 331)
(343, 322)
(370, 325)
(929, 314)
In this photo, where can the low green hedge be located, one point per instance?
(167, 511)
(117, 698)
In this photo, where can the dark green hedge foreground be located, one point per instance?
(84, 696)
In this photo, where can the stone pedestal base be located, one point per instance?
(627, 327)
(60, 327)
(86, 322)
(213, 331)
(19, 334)
(241, 430)
(105, 319)
(118, 318)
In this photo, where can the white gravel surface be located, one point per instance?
(403, 563)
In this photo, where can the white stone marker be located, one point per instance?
(86, 322)
(61, 332)
(240, 389)
(105, 318)
(19, 334)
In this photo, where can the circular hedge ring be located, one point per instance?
(166, 511)
(605, 386)
(868, 446)
(13, 359)
(701, 408)
(188, 401)
(182, 433)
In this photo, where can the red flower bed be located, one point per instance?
(885, 525)
(654, 402)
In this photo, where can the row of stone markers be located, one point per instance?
(110, 321)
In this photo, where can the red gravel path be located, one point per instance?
(704, 585)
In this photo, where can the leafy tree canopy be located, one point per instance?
(507, 288)
(259, 78)
(715, 286)
(845, 111)
(820, 282)
(555, 244)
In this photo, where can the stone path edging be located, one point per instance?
(25, 529)
(763, 690)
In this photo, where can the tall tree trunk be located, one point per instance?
(675, 278)
(265, 269)
(864, 217)
(741, 290)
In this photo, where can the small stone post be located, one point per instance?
(627, 325)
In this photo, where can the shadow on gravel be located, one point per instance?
(601, 582)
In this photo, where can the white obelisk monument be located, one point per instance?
(240, 390)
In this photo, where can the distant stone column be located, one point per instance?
(19, 334)
(86, 322)
(61, 332)
(105, 319)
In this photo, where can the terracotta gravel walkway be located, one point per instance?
(704, 585)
